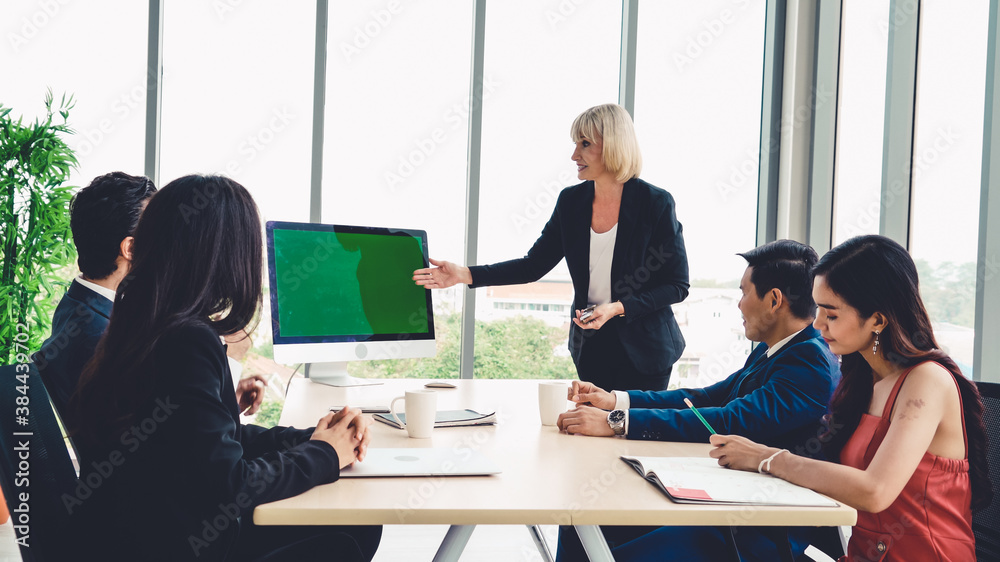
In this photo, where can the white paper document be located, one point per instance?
(702, 480)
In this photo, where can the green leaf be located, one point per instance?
(35, 242)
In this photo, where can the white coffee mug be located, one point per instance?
(421, 409)
(551, 400)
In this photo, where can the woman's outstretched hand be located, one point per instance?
(443, 275)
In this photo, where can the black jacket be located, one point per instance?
(649, 270)
(178, 483)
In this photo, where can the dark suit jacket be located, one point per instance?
(779, 401)
(649, 270)
(77, 325)
(173, 486)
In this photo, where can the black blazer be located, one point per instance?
(182, 480)
(649, 270)
(77, 325)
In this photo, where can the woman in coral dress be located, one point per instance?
(905, 423)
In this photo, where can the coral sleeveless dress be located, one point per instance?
(931, 520)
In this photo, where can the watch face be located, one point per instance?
(617, 416)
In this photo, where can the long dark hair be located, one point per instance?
(875, 274)
(197, 258)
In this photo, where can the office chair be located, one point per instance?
(29, 429)
(986, 523)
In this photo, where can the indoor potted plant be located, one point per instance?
(35, 237)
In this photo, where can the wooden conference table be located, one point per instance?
(549, 478)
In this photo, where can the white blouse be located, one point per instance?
(602, 250)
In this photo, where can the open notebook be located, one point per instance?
(701, 480)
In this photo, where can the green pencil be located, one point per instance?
(697, 413)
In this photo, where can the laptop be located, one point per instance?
(430, 461)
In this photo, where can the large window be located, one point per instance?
(697, 111)
(237, 98)
(396, 143)
(947, 167)
(864, 37)
(70, 48)
(544, 65)
(237, 101)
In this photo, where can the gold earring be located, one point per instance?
(875, 347)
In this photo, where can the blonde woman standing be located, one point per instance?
(625, 251)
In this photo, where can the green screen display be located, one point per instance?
(348, 284)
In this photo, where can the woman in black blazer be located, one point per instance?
(167, 470)
(625, 252)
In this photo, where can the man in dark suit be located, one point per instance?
(779, 397)
(103, 217)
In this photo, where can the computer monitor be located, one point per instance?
(346, 293)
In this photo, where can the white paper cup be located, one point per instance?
(551, 401)
(421, 409)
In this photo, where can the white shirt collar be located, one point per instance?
(776, 347)
(103, 291)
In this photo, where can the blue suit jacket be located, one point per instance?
(77, 325)
(649, 269)
(778, 401)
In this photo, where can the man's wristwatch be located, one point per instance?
(616, 419)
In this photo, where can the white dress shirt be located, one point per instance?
(103, 291)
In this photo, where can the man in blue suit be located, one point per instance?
(779, 397)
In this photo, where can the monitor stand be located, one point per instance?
(334, 373)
